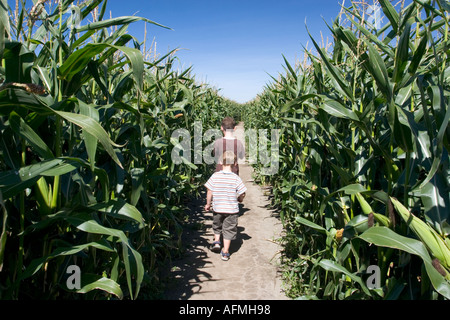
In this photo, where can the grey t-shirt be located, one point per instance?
(229, 144)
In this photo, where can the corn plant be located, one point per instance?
(364, 156)
(86, 176)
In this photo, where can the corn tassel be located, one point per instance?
(435, 244)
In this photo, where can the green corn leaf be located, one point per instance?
(116, 22)
(14, 181)
(352, 189)
(45, 78)
(26, 132)
(377, 68)
(436, 203)
(310, 224)
(335, 267)
(444, 107)
(336, 109)
(427, 6)
(79, 60)
(91, 282)
(304, 121)
(94, 129)
(390, 13)
(402, 55)
(402, 133)
(36, 264)
(444, 4)
(12, 98)
(120, 209)
(430, 128)
(93, 67)
(422, 141)
(385, 237)
(289, 106)
(89, 140)
(188, 163)
(334, 72)
(346, 176)
(418, 55)
(349, 37)
(88, 124)
(291, 70)
(408, 15)
(357, 225)
(137, 181)
(4, 25)
(84, 223)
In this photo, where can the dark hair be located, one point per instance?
(228, 123)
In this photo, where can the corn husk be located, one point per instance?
(432, 240)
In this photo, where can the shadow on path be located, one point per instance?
(191, 270)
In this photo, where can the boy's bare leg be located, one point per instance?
(216, 237)
(226, 246)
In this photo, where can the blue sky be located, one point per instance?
(232, 45)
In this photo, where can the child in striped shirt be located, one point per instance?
(225, 191)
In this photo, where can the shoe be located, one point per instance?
(216, 247)
(225, 256)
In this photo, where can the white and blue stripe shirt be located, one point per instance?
(226, 187)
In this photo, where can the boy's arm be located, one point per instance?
(241, 189)
(208, 200)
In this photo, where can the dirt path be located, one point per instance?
(252, 271)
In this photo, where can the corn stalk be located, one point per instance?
(85, 145)
(364, 123)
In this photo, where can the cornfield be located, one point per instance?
(86, 175)
(364, 174)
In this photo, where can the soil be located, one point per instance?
(251, 273)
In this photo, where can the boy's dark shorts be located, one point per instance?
(225, 223)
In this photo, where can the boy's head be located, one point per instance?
(228, 123)
(228, 158)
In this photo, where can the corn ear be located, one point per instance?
(367, 209)
(44, 196)
(382, 219)
(435, 244)
(365, 206)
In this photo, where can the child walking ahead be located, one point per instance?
(225, 190)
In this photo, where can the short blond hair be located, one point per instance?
(228, 158)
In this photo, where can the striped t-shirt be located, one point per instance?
(225, 187)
